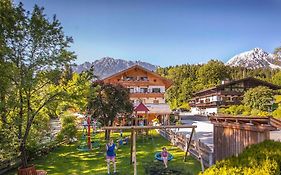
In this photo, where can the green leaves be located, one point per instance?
(260, 98)
(263, 158)
(34, 59)
(106, 101)
(212, 73)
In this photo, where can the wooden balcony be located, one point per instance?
(215, 103)
(146, 95)
(135, 83)
(232, 93)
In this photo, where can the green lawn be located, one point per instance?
(68, 160)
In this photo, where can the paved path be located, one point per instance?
(204, 130)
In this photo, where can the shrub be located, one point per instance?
(222, 111)
(263, 158)
(236, 110)
(69, 128)
(277, 113)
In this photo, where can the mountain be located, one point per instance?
(256, 58)
(107, 66)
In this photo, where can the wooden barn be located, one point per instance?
(233, 134)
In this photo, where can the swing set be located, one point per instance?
(135, 129)
(87, 144)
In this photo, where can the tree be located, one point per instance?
(277, 52)
(277, 78)
(259, 98)
(107, 101)
(35, 49)
(212, 73)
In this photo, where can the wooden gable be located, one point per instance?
(136, 73)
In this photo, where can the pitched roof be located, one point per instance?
(141, 107)
(264, 83)
(169, 82)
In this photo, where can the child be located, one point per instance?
(126, 141)
(85, 125)
(164, 156)
(110, 155)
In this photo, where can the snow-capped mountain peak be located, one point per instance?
(255, 58)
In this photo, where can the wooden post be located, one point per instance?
(134, 152)
(188, 144)
(200, 155)
(168, 115)
(89, 132)
(131, 161)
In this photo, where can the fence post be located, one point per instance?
(188, 144)
(210, 159)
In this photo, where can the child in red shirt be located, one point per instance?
(164, 156)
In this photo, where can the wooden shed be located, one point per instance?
(233, 134)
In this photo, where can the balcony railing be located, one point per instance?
(215, 103)
(147, 95)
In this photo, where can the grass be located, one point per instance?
(68, 160)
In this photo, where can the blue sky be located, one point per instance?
(166, 32)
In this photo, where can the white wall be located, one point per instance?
(195, 110)
(149, 100)
(275, 135)
(137, 89)
(211, 110)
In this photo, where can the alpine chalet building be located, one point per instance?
(208, 101)
(147, 93)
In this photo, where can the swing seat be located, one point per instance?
(83, 148)
(159, 158)
(95, 144)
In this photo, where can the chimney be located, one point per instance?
(225, 81)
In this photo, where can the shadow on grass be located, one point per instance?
(68, 160)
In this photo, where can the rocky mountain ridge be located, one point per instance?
(107, 66)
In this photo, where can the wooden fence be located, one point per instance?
(197, 148)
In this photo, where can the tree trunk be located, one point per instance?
(107, 135)
(23, 155)
(107, 132)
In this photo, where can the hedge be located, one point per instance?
(260, 159)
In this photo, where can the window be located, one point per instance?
(156, 90)
(129, 78)
(131, 90)
(155, 101)
(227, 89)
(143, 79)
(143, 90)
(225, 99)
(141, 100)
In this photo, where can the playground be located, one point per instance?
(67, 159)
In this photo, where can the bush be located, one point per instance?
(263, 158)
(69, 128)
(245, 111)
(236, 110)
(277, 113)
